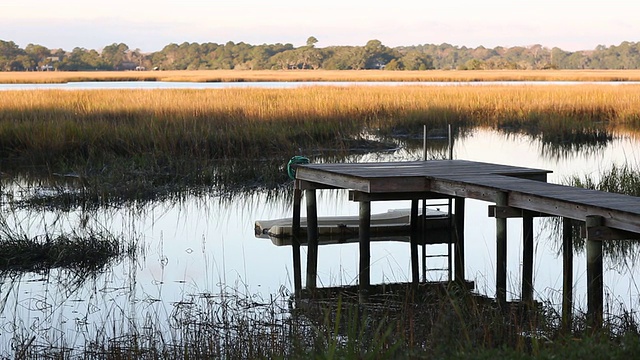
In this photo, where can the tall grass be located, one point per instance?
(320, 75)
(137, 142)
(621, 179)
(66, 126)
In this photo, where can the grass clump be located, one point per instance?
(621, 179)
(89, 253)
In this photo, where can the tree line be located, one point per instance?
(373, 55)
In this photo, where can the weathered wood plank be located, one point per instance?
(509, 212)
(332, 179)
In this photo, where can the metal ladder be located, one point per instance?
(449, 252)
(449, 206)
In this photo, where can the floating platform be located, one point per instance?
(393, 225)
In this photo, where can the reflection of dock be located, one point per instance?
(518, 192)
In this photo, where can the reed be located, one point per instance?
(621, 179)
(137, 142)
(320, 75)
(234, 325)
(59, 126)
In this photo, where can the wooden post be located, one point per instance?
(567, 271)
(527, 259)
(501, 253)
(295, 245)
(365, 250)
(423, 237)
(415, 272)
(459, 250)
(595, 286)
(312, 239)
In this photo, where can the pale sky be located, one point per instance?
(150, 25)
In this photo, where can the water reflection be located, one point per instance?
(193, 246)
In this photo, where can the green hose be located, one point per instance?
(296, 160)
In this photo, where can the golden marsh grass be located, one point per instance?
(59, 124)
(321, 75)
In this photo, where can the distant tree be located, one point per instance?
(115, 55)
(38, 54)
(416, 60)
(376, 55)
(311, 41)
(394, 65)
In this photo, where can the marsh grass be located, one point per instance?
(75, 127)
(621, 179)
(234, 325)
(80, 253)
(320, 75)
(115, 145)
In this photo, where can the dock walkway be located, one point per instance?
(517, 192)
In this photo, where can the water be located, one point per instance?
(199, 247)
(154, 85)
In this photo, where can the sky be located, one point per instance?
(150, 25)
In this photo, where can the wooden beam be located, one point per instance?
(461, 189)
(332, 179)
(362, 196)
(508, 212)
(297, 267)
(312, 239)
(310, 185)
(606, 233)
(501, 254)
(595, 283)
(612, 218)
(365, 252)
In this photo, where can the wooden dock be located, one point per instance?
(516, 192)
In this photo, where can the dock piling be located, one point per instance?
(527, 258)
(501, 253)
(297, 267)
(567, 271)
(415, 272)
(595, 286)
(312, 239)
(365, 250)
(459, 240)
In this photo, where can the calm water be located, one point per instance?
(153, 85)
(198, 247)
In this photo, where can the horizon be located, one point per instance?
(149, 26)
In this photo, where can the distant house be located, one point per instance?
(46, 68)
(128, 65)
